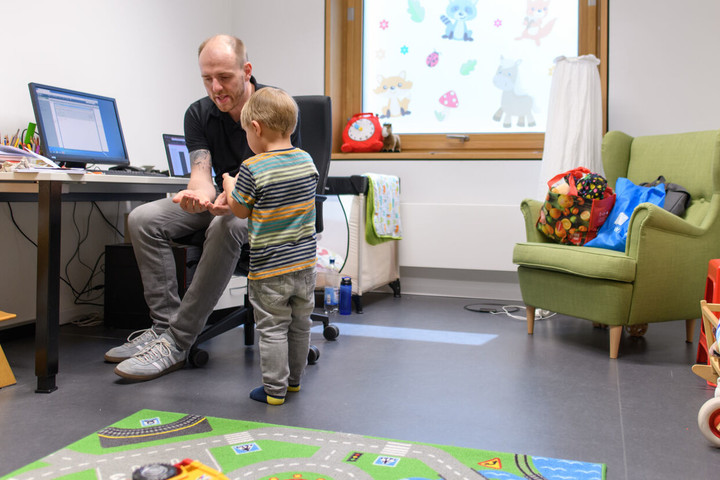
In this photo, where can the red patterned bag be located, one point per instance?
(577, 204)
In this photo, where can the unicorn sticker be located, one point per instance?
(513, 103)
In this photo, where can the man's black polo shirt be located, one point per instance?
(207, 128)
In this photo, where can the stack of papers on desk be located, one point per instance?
(23, 160)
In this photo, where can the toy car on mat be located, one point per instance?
(185, 470)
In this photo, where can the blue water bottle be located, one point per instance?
(345, 296)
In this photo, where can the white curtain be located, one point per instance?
(574, 127)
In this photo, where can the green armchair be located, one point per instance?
(662, 272)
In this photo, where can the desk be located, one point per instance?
(49, 189)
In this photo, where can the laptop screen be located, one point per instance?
(178, 156)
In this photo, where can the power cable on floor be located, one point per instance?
(485, 307)
(539, 314)
(500, 309)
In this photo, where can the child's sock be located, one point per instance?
(293, 388)
(260, 395)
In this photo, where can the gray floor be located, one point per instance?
(554, 394)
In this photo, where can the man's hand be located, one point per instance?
(192, 201)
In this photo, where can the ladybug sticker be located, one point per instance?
(432, 59)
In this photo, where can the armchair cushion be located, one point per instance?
(582, 261)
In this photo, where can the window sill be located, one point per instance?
(443, 155)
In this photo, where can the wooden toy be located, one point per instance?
(709, 414)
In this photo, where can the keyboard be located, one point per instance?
(134, 173)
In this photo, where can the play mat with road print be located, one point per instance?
(259, 451)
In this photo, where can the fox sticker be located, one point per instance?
(394, 92)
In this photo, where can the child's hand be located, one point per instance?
(229, 183)
(225, 201)
(220, 206)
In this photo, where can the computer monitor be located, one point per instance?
(78, 128)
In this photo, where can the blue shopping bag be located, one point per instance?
(613, 233)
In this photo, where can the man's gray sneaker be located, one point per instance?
(136, 341)
(159, 357)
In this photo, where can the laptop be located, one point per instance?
(178, 156)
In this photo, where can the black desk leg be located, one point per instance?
(47, 322)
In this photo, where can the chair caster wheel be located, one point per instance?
(313, 355)
(331, 332)
(198, 357)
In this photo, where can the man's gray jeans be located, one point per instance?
(153, 227)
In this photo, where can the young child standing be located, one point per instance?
(275, 189)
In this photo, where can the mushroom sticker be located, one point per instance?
(448, 101)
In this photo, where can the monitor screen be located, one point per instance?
(78, 128)
(177, 155)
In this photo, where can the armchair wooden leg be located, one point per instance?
(689, 330)
(615, 335)
(530, 315)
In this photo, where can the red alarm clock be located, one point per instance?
(362, 133)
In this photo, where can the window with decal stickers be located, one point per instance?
(458, 74)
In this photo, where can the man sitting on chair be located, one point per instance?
(215, 140)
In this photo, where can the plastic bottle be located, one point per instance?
(332, 289)
(346, 296)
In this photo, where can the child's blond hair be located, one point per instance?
(275, 109)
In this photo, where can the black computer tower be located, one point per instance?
(125, 305)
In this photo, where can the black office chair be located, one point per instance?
(316, 138)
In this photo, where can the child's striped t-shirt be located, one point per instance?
(279, 188)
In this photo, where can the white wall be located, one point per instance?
(285, 42)
(663, 66)
(456, 214)
(143, 53)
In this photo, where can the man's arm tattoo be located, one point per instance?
(201, 159)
